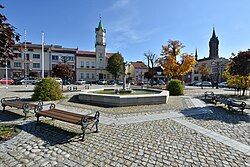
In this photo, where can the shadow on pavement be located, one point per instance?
(9, 116)
(22, 91)
(50, 134)
(218, 113)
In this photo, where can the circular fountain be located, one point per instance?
(113, 98)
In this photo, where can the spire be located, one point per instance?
(196, 54)
(213, 36)
(100, 26)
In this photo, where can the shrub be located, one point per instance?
(175, 87)
(46, 90)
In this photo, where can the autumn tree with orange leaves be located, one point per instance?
(173, 66)
(204, 70)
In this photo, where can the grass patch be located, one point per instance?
(8, 131)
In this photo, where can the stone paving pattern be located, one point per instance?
(234, 126)
(150, 143)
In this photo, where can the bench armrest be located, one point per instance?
(14, 98)
(41, 105)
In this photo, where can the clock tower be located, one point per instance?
(100, 49)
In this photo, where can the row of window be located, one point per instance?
(87, 75)
(63, 58)
(18, 64)
(88, 65)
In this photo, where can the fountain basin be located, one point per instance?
(150, 97)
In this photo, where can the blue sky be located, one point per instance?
(135, 26)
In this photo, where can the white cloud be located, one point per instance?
(119, 4)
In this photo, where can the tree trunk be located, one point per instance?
(243, 92)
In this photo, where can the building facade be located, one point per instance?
(87, 65)
(136, 71)
(215, 63)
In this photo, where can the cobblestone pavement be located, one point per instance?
(151, 143)
(154, 143)
(235, 126)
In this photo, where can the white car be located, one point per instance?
(80, 82)
(59, 80)
(222, 84)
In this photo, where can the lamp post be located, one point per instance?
(6, 73)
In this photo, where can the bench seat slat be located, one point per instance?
(64, 116)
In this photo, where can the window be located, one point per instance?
(87, 75)
(196, 72)
(93, 75)
(18, 55)
(27, 56)
(196, 78)
(93, 64)
(82, 64)
(55, 57)
(53, 65)
(36, 56)
(36, 65)
(100, 59)
(17, 64)
(30, 49)
(82, 75)
(87, 64)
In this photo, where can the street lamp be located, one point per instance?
(218, 72)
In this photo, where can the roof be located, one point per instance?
(82, 53)
(139, 64)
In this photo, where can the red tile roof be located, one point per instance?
(139, 64)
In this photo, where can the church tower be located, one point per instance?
(100, 48)
(214, 46)
(196, 54)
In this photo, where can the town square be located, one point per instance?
(109, 96)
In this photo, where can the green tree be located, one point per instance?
(8, 37)
(116, 65)
(238, 71)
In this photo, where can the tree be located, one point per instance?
(237, 71)
(8, 37)
(171, 66)
(116, 65)
(204, 70)
(151, 60)
(62, 70)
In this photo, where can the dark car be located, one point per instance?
(111, 82)
(66, 82)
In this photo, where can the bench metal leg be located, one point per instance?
(96, 126)
(37, 119)
(83, 134)
(3, 107)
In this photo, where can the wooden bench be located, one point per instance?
(84, 120)
(16, 102)
(229, 103)
(209, 95)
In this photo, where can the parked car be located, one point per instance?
(80, 82)
(206, 83)
(140, 83)
(59, 80)
(161, 82)
(111, 82)
(222, 84)
(8, 81)
(102, 82)
(66, 82)
(197, 84)
(119, 82)
(193, 83)
(27, 80)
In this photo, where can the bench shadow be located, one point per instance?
(51, 134)
(9, 116)
(217, 112)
